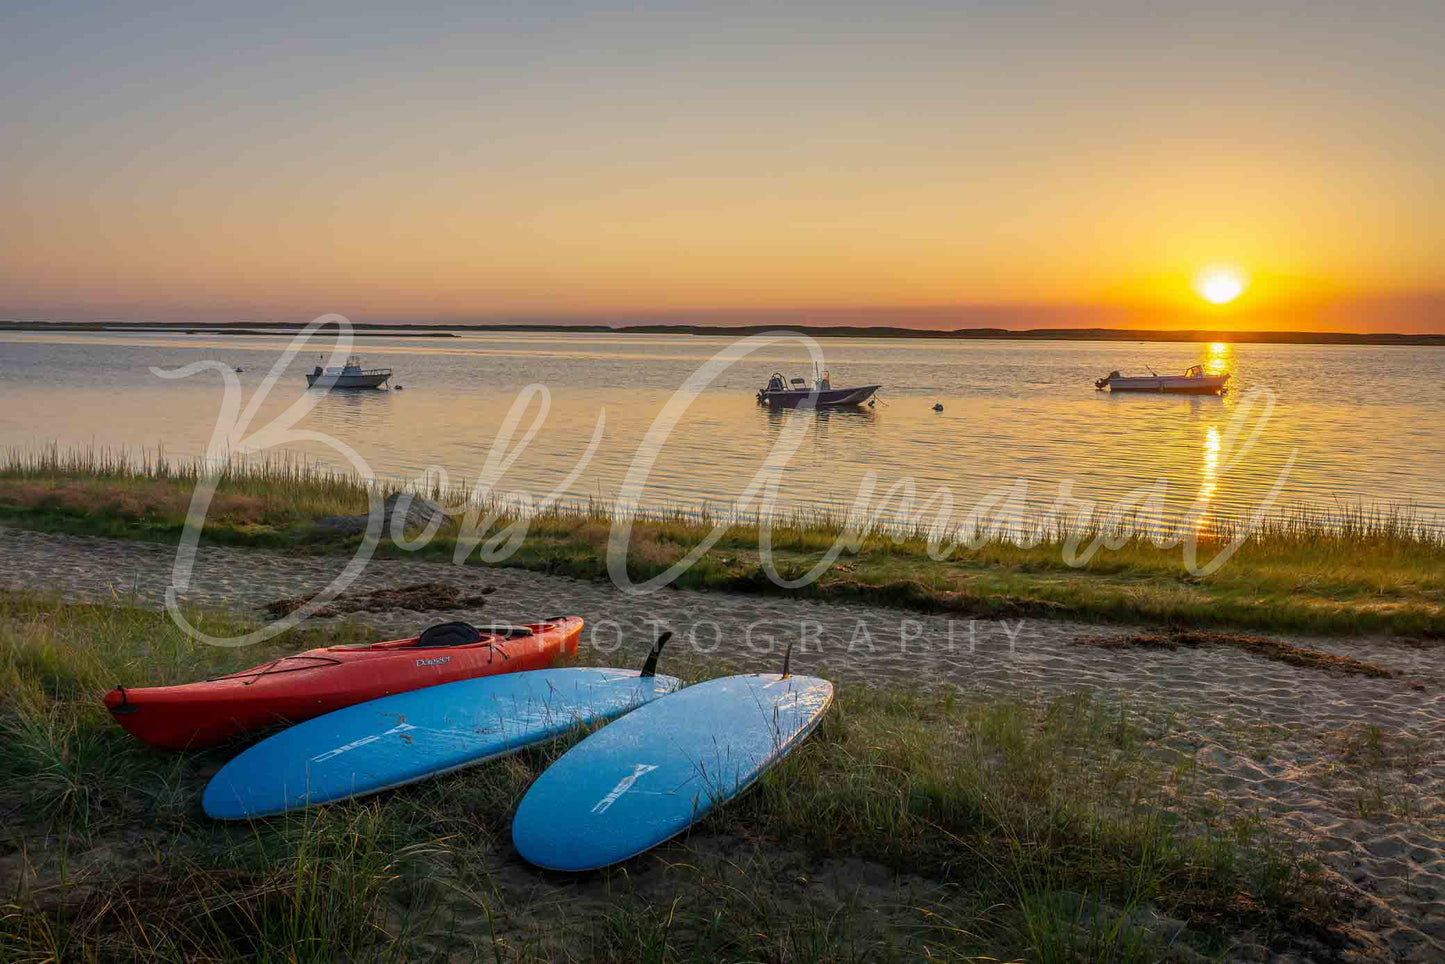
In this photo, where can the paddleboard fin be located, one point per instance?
(649, 668)
(787, 658)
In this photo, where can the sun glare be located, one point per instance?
(1216, 361)
(1219, 286)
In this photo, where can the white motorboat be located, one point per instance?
(1192, 382)
(350, 375)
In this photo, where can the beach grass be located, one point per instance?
(906, 827)
(1345, 571)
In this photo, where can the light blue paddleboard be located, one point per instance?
(655, 772)
(410, 736)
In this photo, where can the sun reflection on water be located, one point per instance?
(1209, 471)
(1218, 357)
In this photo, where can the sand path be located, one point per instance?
(1353, 766)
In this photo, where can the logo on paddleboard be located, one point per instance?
(623, 786)
(435, 661)
(346, 748)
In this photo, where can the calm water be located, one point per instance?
(1364, 424)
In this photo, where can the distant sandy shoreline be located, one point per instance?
(738, 331)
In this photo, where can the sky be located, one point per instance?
(934, 164)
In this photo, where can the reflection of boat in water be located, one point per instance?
(781, 393)
(350, 375)
(1192, 382)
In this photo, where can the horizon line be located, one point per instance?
(1266, 336)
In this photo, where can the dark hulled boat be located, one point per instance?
(780, 393)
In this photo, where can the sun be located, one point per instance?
(1219, 286)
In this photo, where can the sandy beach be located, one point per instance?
(1280, 741)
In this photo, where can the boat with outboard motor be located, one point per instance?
(350, 375)
(795, 393)
(1192, 382)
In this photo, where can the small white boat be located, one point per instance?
(1192, 382)
(350, 375)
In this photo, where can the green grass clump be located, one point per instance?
(905, 826)
(1348, 571)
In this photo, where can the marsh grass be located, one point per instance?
(1347, 570)
(906, 825)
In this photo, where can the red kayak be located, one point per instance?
(295, 688)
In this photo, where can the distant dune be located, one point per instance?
(817, 331)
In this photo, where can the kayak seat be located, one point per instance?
(463, 634)
(448, 634)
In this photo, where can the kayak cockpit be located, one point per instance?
(455, 634)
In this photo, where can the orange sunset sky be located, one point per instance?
(932, 164)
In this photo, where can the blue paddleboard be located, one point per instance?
(410, 736)
(654, 773)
